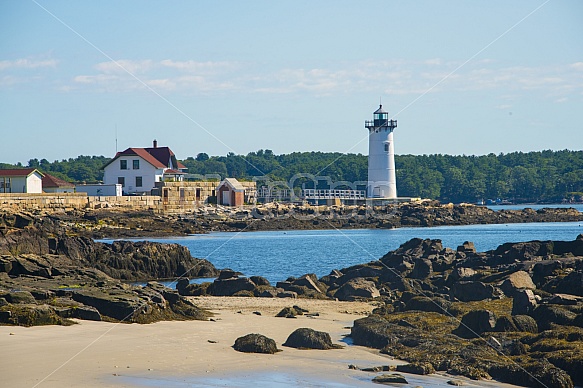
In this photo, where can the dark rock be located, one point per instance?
(525, 323)
(358, 288)
(389, 379)
(467, 247)
(546, 315)
(34, 315)
(267, 293)
(289, 312)
(305, 338)
(565, 299)
(255, 343)
(423, 303)
(476, 322)
(523, 303)
(181, 284)
(423, 368)
(468, 291)
(230, 286)
(228, 274)
(21, 221)
(570, 284)
(287, 294)
(118, 305)
(422, 269)
(309, 281)
(15, 297)
(260, 281)
(504, 324)
(372, 331)
(195, 289)
(534, 375)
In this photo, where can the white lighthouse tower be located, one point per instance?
(382, 181)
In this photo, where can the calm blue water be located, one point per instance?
(578, 206)
(277, 255)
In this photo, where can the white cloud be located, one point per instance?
(199, 67)
(125, 66)
(25, 63)
(404, 77)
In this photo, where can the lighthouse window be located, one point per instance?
(386, 147)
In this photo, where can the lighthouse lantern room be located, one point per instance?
(382, 181)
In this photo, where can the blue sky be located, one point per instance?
(461, 77)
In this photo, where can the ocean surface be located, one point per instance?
(277, 255)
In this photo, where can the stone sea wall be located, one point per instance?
(76, 201)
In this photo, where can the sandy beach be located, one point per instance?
(196, 353)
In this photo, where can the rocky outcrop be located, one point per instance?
(355, 289)
(83, 293)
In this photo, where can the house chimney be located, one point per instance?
(155, 143)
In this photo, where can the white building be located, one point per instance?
(382, 180)
(23, 180)
(138, 169)
(99, 190)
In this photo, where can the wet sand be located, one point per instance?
(197, 353)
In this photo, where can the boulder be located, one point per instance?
(422, 269)
(570, 284)
(358, 288)
(260, 281)
(546, 315)
(230, 286)
(268, 293)
(468, 291)
(564, 299)
(461, 273)
(476, 322)
(115, 304)
(467, 247)
(306, 338)
(418, 368)
(289, 312)
(525, 323)
(310, 281)
(15, 297)
(390, 379)
(255, 343)
(523, 303)
(519, 280)
(287, 294)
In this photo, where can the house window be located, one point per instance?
(136, 164)
(122, 181)
(123, 164)
(138, 180)
(386, 147)
(198, 193)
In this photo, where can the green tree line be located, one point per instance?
(531, 176)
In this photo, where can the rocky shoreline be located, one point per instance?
(111, 223)
(514, 314)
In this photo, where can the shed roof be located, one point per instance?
(233, 183)
(53, 181)
(20, 172)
